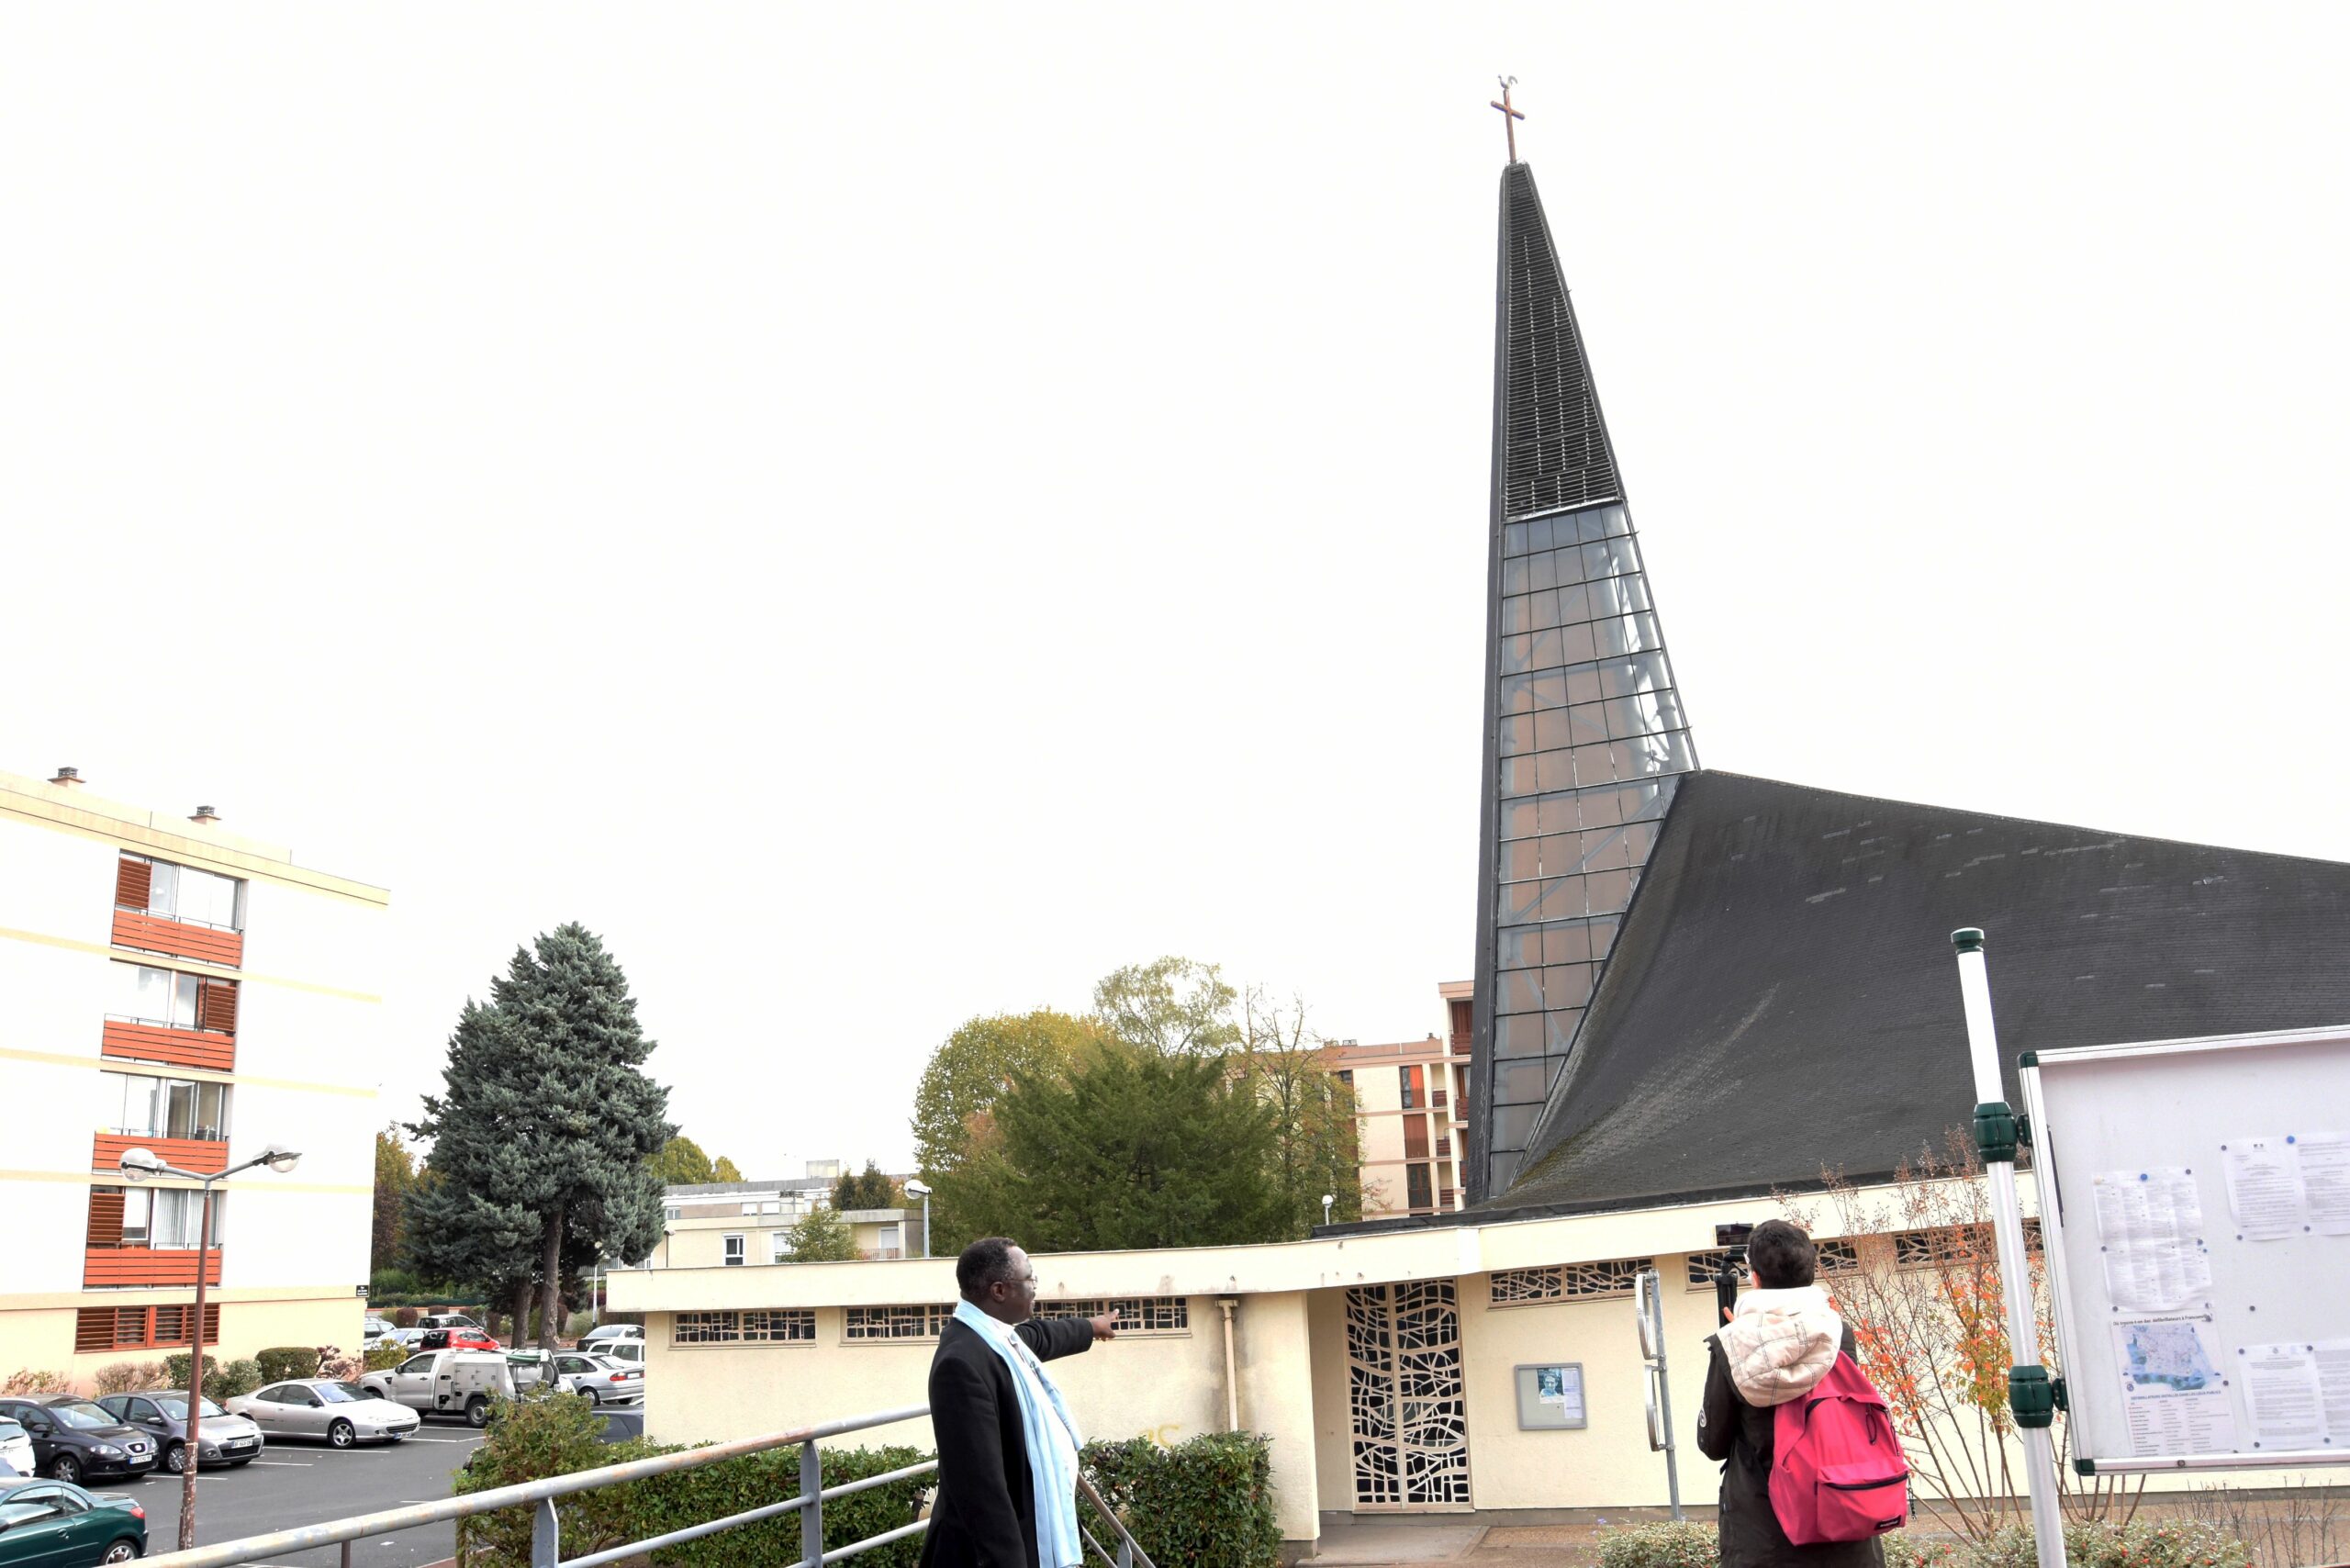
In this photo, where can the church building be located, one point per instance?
(1693, 989)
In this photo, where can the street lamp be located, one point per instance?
(919, 1189)
(1328, 1199)
(138, 1164)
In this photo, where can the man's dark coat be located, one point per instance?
(986, 1512)
(1742, 1437)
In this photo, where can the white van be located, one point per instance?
(450, 1383)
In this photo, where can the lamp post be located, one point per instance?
(919, 1189)
(1328, 1199)
(138, 1164)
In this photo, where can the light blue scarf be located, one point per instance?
(1052, 1438)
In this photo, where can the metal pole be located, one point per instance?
(2031, 1394)
(925, 1225)
(811, 1507)
(190, 1447)
(1652, 1286)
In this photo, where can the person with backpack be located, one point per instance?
(1807, 1448)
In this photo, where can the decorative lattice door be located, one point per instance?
(1404, 1391)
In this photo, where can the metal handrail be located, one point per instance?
(546, 1524)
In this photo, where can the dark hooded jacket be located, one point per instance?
(1777, 1351)
(985, 1515)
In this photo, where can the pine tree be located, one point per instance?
(821, 1236)
(541, 1138)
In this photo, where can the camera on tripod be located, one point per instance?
(1732, 1238)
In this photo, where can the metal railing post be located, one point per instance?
(546, 1536)
(811, 1505)
(1125, 1553)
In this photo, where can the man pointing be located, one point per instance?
(1007, 1445)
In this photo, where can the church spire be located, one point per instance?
(1584, 735)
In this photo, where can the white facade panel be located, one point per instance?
(57, 999)
(308, 1037)
(313, 937)
(56, 883)
(42, 1228)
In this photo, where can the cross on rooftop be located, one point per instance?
(1510, 116)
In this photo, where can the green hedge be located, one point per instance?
(222, 1380)
(281, 1361)
(1206, 1503)
(2167, 1544)
(556, 1436)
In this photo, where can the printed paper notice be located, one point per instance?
(2333, 1388)
(2280, 1393)
(2264, 1187)
(2173, 1394)
(2150, 1233)
(2325, 1184)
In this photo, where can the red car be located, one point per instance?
(457, 1339)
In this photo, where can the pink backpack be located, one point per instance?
(1837, 1472)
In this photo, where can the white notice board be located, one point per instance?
(2195, 1196)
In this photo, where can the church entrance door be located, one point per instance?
(1406, 1399)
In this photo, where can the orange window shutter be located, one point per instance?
(106, 1218)
(215, 1006)
(130, 1325)
(134, 880)
(93, 1330)
(211, 1322)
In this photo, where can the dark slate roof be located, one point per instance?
(1554, 444)
(1784, 995)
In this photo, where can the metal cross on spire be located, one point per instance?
(1510, 116)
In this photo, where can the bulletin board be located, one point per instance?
(2195, 1200)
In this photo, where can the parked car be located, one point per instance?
(601, 1379)
(603, 1335)
(74, 1437)
(407, 1338)
(373, 1328)
(448, 1321)
(452, 1383)
(342, 1412)
(16, 1450)
(456, 1339)
(629, 1351)
(55, 1524)
(220, 1438)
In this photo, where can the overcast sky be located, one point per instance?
(888, 513)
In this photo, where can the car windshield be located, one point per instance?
(340, 1392)
(82, 1413)
(176, 1407)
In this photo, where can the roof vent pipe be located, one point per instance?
(69, 777)
(204, 815)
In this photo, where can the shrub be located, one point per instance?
(557, 1436)
(222, 1380)
(28, 1380)
(281, 1361)
(391, 1282)
(2170, 1544)
(1208, 1500)
(1666, 1545)
(129, 1377)
(383, 1358)
(580, 1323)
(405, 1317)
(336, 1362)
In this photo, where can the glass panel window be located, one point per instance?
(163, 889)
(1419, 1192)
(168, 1216)
(193, 897)
(734, 1250)
(136, 1204)
(778, 1247)
(146, 1107)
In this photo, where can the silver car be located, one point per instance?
(15, 1448)
(220, 1438)
(603, 1380)
(342, 1412)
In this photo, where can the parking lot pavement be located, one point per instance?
(294, 1483)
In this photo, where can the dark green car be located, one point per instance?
(55, 1524)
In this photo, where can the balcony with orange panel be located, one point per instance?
(207, 1048)
(206, 1157)
(103, 1266)
(210, 944)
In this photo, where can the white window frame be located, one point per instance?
(733, 1248)
(164, 878)
(778, 1247)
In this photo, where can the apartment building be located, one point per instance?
(174, 986)
(734, 1224)
(1412, 1113)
